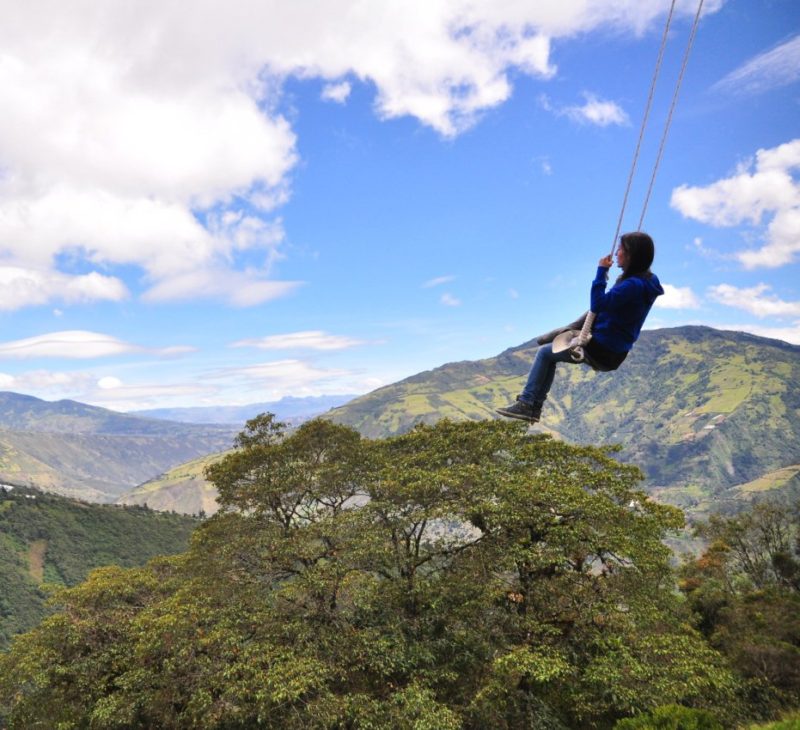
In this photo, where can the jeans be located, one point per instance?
(543, 370)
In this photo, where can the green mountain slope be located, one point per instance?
(702, 411)
(183, 489)
(45, 538)
(25, 413)
(93, 453)
(712, 417)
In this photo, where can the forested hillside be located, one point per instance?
(712, 417)
(462, 575)
(183, 489)
(93, 453)
(701, 411)
(45, 538)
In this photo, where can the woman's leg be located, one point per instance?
(529, 403)
(543, 370)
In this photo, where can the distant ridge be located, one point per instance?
(289, 409)
(20, 412)
(700, 410)
(93, 453)
(711, 416)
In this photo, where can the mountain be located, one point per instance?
(93, 453)
(703, 412)
(45, 538)
(712, 417)
(25, 413)
(183, 489)
(289, 409)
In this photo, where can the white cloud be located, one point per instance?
(790, 333)
(449, 300)
(546, 104)
(183, 257)
(309, 340)
(292, 370)
(337, 92)
(676, 297)
(779, 66)
(278, 378)
(699, 247)
(757, 300)
(114, 147)
(763, 188)
(135, 135)
(77, 344)
(288, 377)
(121, 397)
(438, 281)
(109, 382)
(46, 383)
(240, 288)
(23, 287)
(107, 391)
(267, 381)
(596, 111)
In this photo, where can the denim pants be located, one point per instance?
(543, 370)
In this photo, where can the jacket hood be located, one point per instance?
(652, 288)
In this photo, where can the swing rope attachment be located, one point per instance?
(577, 341)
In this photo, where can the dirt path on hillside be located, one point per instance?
(36, 554)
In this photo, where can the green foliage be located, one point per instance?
(763, 544)
(671, 717)
(44, 537)
(745, 592)
(789, 722)
(182, 489)
(262, 430)
(457, 576)
(92, 453)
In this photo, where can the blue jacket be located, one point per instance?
(621, 310)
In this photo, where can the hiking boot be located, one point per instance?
(522, 410)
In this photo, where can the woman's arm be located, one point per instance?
(617, 297)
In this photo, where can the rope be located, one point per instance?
(671, 110)
(585, 335)
(643, 125)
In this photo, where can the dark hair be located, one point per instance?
(641, 252)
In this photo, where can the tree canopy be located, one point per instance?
(745, 594)
(458, 576)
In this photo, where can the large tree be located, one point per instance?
(460, 575)
(745, 592)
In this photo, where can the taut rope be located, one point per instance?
(582, 338)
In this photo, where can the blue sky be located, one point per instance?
(261, 199)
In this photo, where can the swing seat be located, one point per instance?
(566, 340)
(569, 340)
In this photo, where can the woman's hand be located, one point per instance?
(605, 262)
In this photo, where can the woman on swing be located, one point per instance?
(620, 313)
